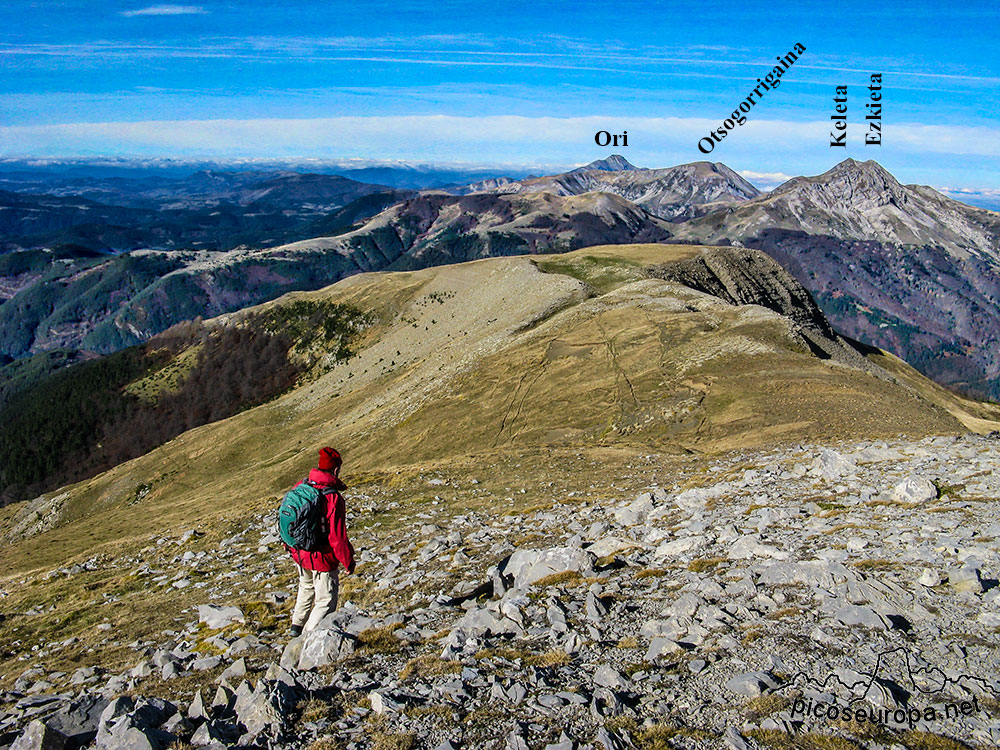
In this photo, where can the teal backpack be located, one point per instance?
(302, 517)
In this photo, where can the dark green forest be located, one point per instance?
(61, 426)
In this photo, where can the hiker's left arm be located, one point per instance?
(341, 545)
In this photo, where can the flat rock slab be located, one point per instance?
(528, 566)
(216, 618)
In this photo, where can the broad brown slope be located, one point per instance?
(501, 357)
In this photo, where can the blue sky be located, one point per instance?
(511, 82)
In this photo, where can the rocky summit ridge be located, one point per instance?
(707, 610)
(613, 163)
(674, 193)
(863, 201)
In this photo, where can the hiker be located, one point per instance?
(317, 540)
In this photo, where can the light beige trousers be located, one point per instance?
(317, 597)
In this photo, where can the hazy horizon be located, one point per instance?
(512, 84)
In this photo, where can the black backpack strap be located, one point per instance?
(323, 490)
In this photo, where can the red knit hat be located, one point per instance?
(329, 460)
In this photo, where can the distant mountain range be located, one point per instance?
(901, 267)
(204, 210)
(675, 193)
(35, 174)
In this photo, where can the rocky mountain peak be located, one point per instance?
(851, 169)
(863, 185)
(614, 163)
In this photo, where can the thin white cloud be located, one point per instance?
(761, 179)
(653, 141)
(456, 50)
(165, 10)
(984, 192)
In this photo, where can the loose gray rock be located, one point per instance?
(966, 579)
(564, 743)
(515, 741)
(831, 465)
(206, 663)
(609, 677)
(734, 740)
(663, 646)
(316, 648)
(178, 725)
(635, 513)
(39, 736)
(197, 708)
(266, 709)
(914, 490)
(930, 577)
(217, 618)
(212, 732)
(610, 741)
(752, 684)
(234, 671)
(78, 720)
(851, 614)
(383, 703)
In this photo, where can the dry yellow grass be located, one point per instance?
(380, 640)
(765, 705)
(429, 666)
(554, 658)
(650, 573)
(701, 564)
(567, 578)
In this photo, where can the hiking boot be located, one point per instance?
(295, 631)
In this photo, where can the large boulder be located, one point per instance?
(914, 490)
(78, 719)
(264, 710)
(832, 465)
(317, 647)
(528, 566)
(127, 724)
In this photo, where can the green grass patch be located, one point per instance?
(601, 273)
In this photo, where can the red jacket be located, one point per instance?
(338, 548)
